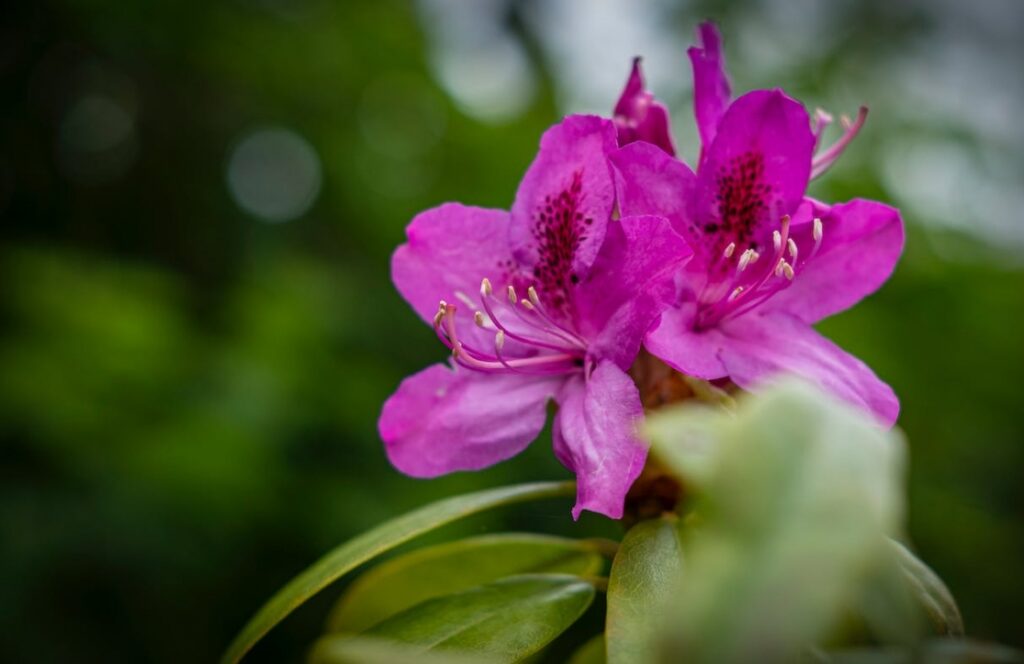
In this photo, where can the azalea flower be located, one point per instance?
(548, 301)
(639, 116)
(768, 262)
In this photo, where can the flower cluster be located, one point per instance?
(614, 243)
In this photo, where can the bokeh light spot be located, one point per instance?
(274, 174)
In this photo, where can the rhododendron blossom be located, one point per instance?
(548, 301)
(768, 262)
(639, 116)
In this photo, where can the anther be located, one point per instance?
(777, 240)
(787, 271)
(512, 295)
(478, 318)
(729, 250)
(527, 304)
(485, 287)
(532, 292)
(791, 245)
(817, 230)
(736, 293)
(745, 259)
(499, 340)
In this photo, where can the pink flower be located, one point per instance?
(768, 261)
(639, 116)
(548, 301)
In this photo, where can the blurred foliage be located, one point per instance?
(188, 394)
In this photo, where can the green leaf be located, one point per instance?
(360, 650)
(398, 584)
(797, 494)
(372, 543)
(936, 651)
(591, 652)
(645, 578)
(932, 594)
(504, 621)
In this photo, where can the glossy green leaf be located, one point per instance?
(797, 494)
(645, 579)
(398, 584)
(361, 650)
(374, 542)
(504, 621)
(591, 652)
(931, 593)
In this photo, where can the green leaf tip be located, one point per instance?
(376, 541)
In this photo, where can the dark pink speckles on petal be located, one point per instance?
(558, 230)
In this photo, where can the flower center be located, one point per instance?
(742, 278)
(529, 341)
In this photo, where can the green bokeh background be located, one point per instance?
(188, 394)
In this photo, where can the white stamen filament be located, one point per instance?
(463, 298)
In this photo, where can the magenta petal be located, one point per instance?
(440, 420)
(632, 282)
(861, 242)
(758, 347)
(693, 353)
(639, 116)
(648, 181)
(595, 436)
(564, 202)
(711, 92)
(755, 172)
(451, 248)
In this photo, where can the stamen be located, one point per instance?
(824, 161)
(787, 270)
(512, 295)
(817, 232)
(478, 318)
(729, 250)
(462, 297)
(777, 241)
(745, 259)
(822, 119)
(736, 293)
(499, 340)
(532, 293)
(527, 304)
(793, 251)
(485, 287)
